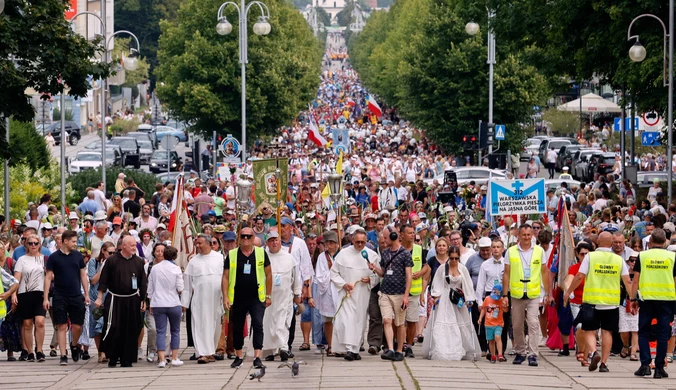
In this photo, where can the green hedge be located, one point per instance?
(80, 181)
(26, 146)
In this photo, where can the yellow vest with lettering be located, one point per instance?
(260, 273)
(657, 281)
(517, 277)
(602, 284)
(3, 305)
(416, 284)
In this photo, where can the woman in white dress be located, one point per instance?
(450, 334)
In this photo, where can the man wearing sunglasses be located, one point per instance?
(246, 286)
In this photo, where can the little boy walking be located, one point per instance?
(492, 310)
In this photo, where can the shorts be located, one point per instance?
(390, 307)
(493, 331)
(30, 305)
(594, 319)
(66, 308)
(413, 309)
(628, 322)
(327, 319)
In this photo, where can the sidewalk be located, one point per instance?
(323, 372)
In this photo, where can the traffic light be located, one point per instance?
(486, 134)
(473, 143)
(465, 143)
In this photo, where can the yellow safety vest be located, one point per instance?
(260, 273)
(602, 284)
(657, 281)
(416, 284)
(517, 276)
(3, 305)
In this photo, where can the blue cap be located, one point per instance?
(287, 221)
(229, 236)
(211, 213)
(497, 287)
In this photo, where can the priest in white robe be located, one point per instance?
(286, 289)
(325, 300)
(202, 281)
(351, 276)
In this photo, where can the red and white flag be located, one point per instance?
(351, 102)
(179, 225)
(373, 105)
(315, 136)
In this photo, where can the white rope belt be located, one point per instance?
(110, 311)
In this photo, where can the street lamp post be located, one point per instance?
(359, 23)
(243, 190)
(637, 53)
(472, 28)
(261, 27)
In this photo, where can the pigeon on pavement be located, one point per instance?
(258, 374)
(295, 367)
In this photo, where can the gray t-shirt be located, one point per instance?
(394, 264)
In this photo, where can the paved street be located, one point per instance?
(328, 373)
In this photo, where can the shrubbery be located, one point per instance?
(80, 181)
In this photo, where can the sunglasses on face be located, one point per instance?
(214, 242)
(33, 243)
(454, 258)
(110, 253)
(245, 236)
(536, 228)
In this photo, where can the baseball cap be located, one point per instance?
(118, 221)
(229, 236)
(485, 242)
(72, 215)
(161, 226)
(47, 226)
(273, 234)
(422, 215)
(287, 221)
(330, 236)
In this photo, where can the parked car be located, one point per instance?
(158, 161)
(142, 136)
(604, 164)
(72, 132)
(479, 175)
(645, 179)
(532, 146)
(113, 152)
(131, 154)
(163, 131)
(167, 177)
(146, 150)
(556, 183)
(565, 156)
(84, 161)
(550, 143)
(578, 168)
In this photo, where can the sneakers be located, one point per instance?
(660, 373)
(151, 357)
(319, 349)
(75, 352)
(604, 368)
(594, 360)
(30, 358)
(85, 355)
(257, 363)
(23, 356)
(40, 356)
(388, 354)
(52, 352)
(494, 359)
(237, 362)
(532, 361)
(398, 356)
(63, 361)
(161, 364)
(409, 353)
(643, 371)
(373, 350)
(177, 362)
(518, 359)
(140, 354)
(219, 356)
(270, 358)
(283, 355)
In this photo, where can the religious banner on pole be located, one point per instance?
(180, 227)
(265, 180)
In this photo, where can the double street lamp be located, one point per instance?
(637, 53)
(261, 27)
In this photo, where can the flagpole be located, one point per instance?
(278, 175)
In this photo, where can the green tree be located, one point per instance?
(344, 17)
(132, 78)
(39, 50)
(142, 17)
(201, 72)
(79, 182)
(561, 122)
(27, 146)
(323, 16)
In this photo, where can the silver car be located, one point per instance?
(146, 150)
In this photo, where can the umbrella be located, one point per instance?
(590, 103)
